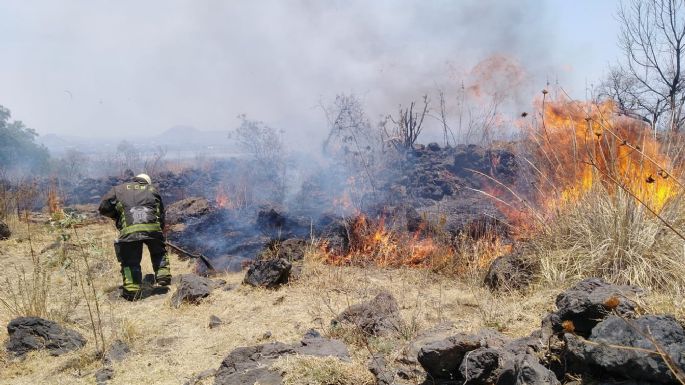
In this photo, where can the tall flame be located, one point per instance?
(579, 144)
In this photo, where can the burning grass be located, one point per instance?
(608, 202)
(375, 243)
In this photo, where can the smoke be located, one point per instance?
(117, 69)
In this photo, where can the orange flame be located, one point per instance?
(222, 199)
(579, 144)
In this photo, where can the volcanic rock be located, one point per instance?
(191, 289)
(584, 305)
(117, 352)
(215, 322)
(187, 209)
(268, 273)
(5, 232)
(480, 366)
(33, 333)
(377, 317)
(608, 351)
(510, 272)
(270, 217)
(442, 359)
(525, 369)
(378, 367)
(103, 375)
(437, 333)
(292, 250)
(252, 364)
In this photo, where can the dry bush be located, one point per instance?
(302, 370)
(611, 235)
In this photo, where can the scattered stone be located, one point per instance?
(265, 336)
(587, 303)
(378, 317)
(510, 272)
(433, 146)
(608, 351)
(117, 352)
(5, 232)
(268, 273)
(252, 364)
(525, 369)
(441, 359)
(33, 333)
(437, 333)
(291, 250)
(191, 289)
(311, 333)
(215, 322)
(479, 366)
(323, 347)
(103, 375)
(200, 376)
(378, 367)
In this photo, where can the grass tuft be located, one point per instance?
(611, 235)
(301, 370)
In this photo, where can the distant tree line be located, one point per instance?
(19, 151)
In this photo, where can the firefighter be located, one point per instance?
(138, 212)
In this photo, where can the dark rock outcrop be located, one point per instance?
(587, 303)
(379, 368)
(442, 359)
(484, 358)
(625, 349)
(526, 369)
(480, 366)
(268, 273)
(5, 232)
(252, 364)
(187, 209)
(510, 272)
(33, 333)
(377, 317)
(291, 250)
(191, 289)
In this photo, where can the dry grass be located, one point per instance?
(301, 370)
(611, 235)
(168, 346)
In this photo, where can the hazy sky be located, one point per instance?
(113, 68)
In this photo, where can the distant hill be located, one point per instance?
(176, 139)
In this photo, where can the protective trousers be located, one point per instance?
(129, 254)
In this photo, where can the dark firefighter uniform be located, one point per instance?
(138, 212)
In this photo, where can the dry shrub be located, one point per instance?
(28, 294)
(611, 235)
(303, 370)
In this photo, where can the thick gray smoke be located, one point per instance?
(113, 69)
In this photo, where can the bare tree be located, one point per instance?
(267, 155)
(129, 156)
(351, 141)
(73, 164)
(650, 81)
(153, 162)
(625, 91)
(408, 125)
